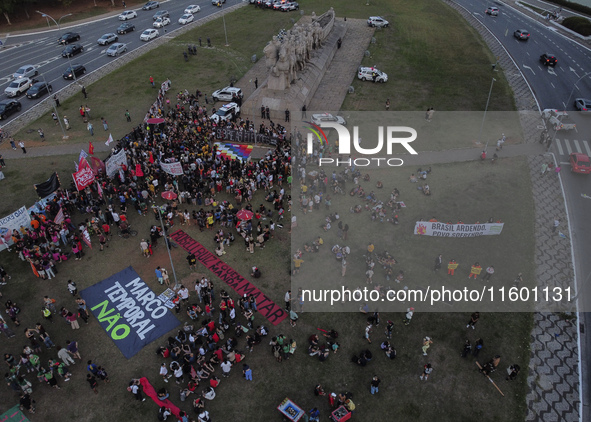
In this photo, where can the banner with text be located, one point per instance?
(12, 222)
(113, 164)
(83, 178)
(129, 311)
(430, 228)
(176, 169)
(267, 308)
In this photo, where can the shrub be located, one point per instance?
(578, 24)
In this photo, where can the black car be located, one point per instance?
(126, 27)
(39, 89)
(8, 107)
(78, 70)
(548, 59)
(72, 50)
(69, 37)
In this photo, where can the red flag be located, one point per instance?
(99, 189)
(83, 164)
(90, 148)
(151, 158)
(138, 170)
(59, 218)
(97, 164)
(83, 177)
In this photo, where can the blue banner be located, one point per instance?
(129, 311)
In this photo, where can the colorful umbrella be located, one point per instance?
(168, 195)
(244, 215)
(155, 120)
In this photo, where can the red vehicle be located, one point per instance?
(580, 163)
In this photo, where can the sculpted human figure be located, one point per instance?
(271, 51)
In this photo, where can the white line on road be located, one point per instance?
(551, 71)
(552, 85)
(559, 146)
(577, 146)
(527, 67)
(586, 145)
(568, 148)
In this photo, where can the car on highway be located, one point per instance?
(25, 71)
(72, 50)
(289, 6)
(126, 27)
(161, 14)
(228, 93)
(128, 14)
(521, 34)
(192, 9)
(74, 70)
(226, 112)
(216, 2)
(319, 118)
(186, 18)
(108, 39)
(493, 11)
(377, 21)
(116, 49)
(579, 163)
(151, 5)
(39, 89)
(18, 87)
(149, 34)
(548, 59)
(8, 107)
(368, 74)
(161, 22)
(68, 37)
(583, 105)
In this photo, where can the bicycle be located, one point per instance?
(127, 233)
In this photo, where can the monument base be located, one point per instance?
(301, 91)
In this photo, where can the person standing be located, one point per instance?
(438, 262)
(408, 317)
(104, 122)
(427, 369)
(159, 275)
(90, 128)
(451, 267)
(127, 116)
(387, 104)
(93, 383)
(475, 271)
(256, 83)
(427, 342)
(343, 267)
(84, 92)
(466, 349)
(192, 260)
(556, 224)
(490, 270)
(67, 122)
(22, 145)
(41, 134)
(287, 299)
(287, 115)
(152, 82)
(477, 347)
(304, 115)
(144, 248)
(56, 100)
(65, 356)
(473, 320)
(134, 388)
(247, 372)
(375, 384)
(368, 329)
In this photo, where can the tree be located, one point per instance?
(6, 7)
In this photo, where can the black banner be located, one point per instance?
(47, 188)
(241, 136)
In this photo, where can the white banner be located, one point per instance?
(176, 169)
(12, 222)
(113, 164)
(428, 228)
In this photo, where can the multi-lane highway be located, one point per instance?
(42, 49)
(557, 87)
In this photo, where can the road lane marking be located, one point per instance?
(587, 150)
(577, 146)
(527, 67)
(568, 148)
(559, 146)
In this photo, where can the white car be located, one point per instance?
(226, 112)
(129, 14)
(227, 94)
(18, 87)
(371, 74)
(192, 9)
(107, 39)
(25, 71)
(377, 21)
(317, 119)
(493, 11)
(186, 18)
(161, 22)
(149, 34)
(116, 49)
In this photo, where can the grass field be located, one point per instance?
(456, 391)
